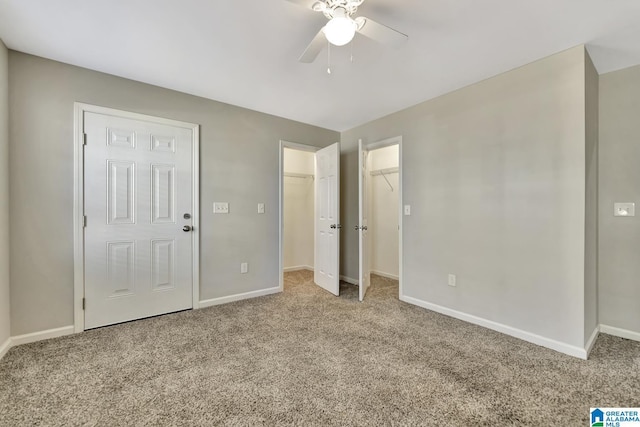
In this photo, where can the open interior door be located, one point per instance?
(327, 219)
(364, 275)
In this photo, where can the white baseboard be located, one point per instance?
(499, 327)
(349, 280)
(33, 337)
(387, 275)
(297, 268)
(619, 332)
(238, 297)
(4, 348)
(592, 340)
(41, 335)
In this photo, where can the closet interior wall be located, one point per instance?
(299, 169)
(384, 187)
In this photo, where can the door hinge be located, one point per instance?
(84, 221)
(84, 303)
(84, 139)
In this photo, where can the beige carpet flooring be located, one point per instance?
(304, 357)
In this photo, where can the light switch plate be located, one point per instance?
(260, 208)
(624, 209)
(220, 207)
(407, 209)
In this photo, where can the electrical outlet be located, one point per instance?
(260, 208)
(220, 207)
(244, 268)
(452, 280)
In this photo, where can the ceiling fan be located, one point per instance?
(342, 27)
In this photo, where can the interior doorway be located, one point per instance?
(136, 216)
(309, 212)
(298, 206)
(380, 212)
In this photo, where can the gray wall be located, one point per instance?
(591, 200)
(495, 174)
(238, 161)
(619, 238)
(4, 196)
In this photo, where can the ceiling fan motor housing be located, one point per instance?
(329, 7)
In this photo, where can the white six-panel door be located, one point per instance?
(138, 179)
(327, 219)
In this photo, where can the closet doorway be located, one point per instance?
(309, 212)
(380, 212)
(298, 210)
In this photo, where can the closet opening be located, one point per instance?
(297, 210)
(380, 215)
(384, 189)
(298, 182)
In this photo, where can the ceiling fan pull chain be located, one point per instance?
(351, 45)
(328, 58)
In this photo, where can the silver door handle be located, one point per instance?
(335, 226)
(186, 228)
(362, 227)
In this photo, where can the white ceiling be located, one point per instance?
(244, 52)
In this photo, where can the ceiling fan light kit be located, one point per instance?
(340, 30)
(342, 27)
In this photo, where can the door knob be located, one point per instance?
(332, 226)
(335, 226)
(186, 228)
(357, 228)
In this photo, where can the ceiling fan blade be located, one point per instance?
(380, 33)
(311, 52)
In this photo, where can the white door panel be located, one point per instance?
(138, 186)
(327, 223)
(364, 244)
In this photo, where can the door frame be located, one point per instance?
(78, 199)
(396, 140)
(295, 146)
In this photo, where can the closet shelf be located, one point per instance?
(298, 175)
(386, 171)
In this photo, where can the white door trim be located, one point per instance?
(78, 200)
(396, 140)
(295, 146)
